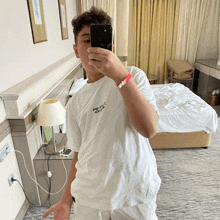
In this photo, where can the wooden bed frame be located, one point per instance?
(168, 140)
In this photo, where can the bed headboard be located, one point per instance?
(62, 91)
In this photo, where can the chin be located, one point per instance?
(89, 68)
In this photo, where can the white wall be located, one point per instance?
(11, 197)
(2, 111)
(20, 59)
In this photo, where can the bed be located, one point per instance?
(185, 120)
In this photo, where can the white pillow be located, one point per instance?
(77, 85)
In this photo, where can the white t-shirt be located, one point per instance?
(116, 166)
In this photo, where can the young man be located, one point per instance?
(113, 174)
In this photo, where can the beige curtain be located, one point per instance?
(153, 29)
(198, 30)
(209, 39)
(108, 6)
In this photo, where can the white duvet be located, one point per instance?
(180, 110)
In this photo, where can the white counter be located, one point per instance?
(208, 67)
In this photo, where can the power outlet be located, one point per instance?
(10, 179)
(3, 152)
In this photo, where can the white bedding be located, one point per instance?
(180, 110)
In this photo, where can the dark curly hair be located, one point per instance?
(94, 15)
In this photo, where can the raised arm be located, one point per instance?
(141, 113)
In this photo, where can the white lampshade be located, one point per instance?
(51, 113)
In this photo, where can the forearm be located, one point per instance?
(142, 115)
(67, 197)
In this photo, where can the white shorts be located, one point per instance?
(138, 212)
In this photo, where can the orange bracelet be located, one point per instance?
(123, 82)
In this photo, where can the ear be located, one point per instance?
(76, 50)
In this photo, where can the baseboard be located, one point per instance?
(22, 210)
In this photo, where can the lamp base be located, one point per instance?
(49, 149)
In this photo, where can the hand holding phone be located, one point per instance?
(100, 53)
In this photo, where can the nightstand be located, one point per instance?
(153, 79)
(41, 162)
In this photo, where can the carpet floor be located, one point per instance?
(190, 188)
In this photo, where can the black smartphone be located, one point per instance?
(67, 152)
(101, 36)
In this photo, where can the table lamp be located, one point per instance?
(51, 113)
